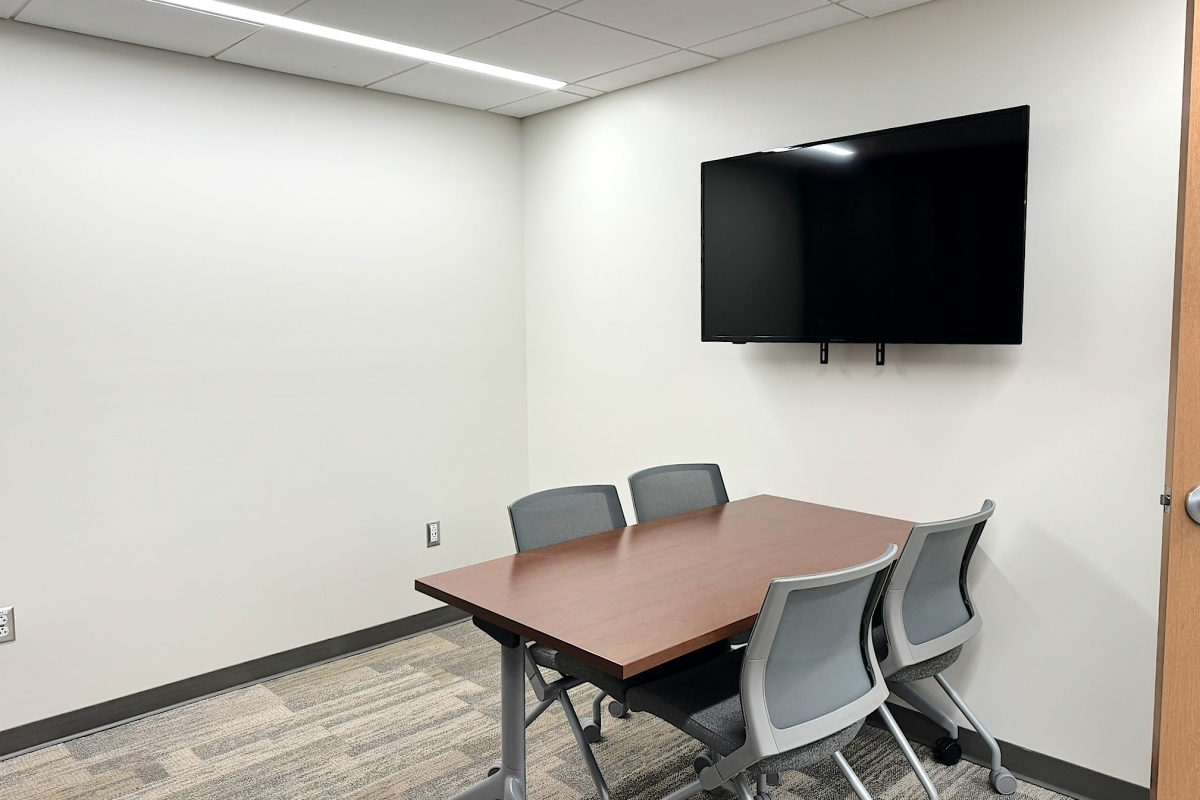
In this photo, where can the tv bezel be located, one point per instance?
(856, 340)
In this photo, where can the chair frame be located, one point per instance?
(903, 653)
(763, 739)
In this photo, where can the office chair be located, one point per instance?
(676, 489)
(925, 618)
(797, 693)
(552, 517)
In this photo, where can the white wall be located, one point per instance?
(1065, 432)
(255, 331)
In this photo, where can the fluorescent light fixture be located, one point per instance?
(232, 11)
(835, 149)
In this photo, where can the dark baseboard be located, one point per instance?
(104, 715)
(1052, 773)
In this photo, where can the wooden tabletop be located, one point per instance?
(630, 599)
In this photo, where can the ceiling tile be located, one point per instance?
(537, 104)
(300, 54)
(9, 7)
(873, 8)
(577, 88)
(457, 86)
(440, 25)
(565, 48)
(139, 22)
(270, 6)
(800, 25)
(648, 70)
(687, 22)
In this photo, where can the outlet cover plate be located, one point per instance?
(433, 533)
(8, 625)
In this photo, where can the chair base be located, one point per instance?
(947, 749)
(585, 749)
(741, 787)
(592, 726)
(585, 732)
(909, 755)
(1001, 779)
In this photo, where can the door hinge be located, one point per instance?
(1164, 499)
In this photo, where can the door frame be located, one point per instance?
(1175, 764)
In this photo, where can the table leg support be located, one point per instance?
(512, 712)
(509, 782)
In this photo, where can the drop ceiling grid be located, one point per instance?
(684, 23)
(443, 26)
(628, 17)
(389, 19)
(596, 46)
(140, 22)
(10, 7)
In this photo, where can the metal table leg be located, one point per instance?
(509, 782)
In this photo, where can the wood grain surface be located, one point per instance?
(630, 599)
(1175, 765)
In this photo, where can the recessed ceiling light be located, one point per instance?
(299, 26)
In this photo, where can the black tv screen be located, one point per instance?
(913, 234)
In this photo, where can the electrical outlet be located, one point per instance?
(8, 625)
(433, 533)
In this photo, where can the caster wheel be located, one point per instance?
(767, 796)
(591, 729)
(495, 767)
(618, 710)
(1004, 782)
(702, 763)
(947, 751)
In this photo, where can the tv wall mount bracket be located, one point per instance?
(880, 351)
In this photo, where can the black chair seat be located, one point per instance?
(705, 702)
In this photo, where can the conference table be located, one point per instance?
(634, 598)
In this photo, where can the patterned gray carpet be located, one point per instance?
(417, 720)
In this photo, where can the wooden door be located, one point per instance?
(1175, 766)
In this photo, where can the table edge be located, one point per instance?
(622, 671)
(638, 666)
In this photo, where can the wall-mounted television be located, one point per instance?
(907, 235)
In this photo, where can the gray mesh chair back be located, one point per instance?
(810, 670)
(809, 678)
(927, 615)
(927, 610)
(560, 515)
(676, 489)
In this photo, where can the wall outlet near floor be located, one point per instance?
(433, 533)
(8, 625)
